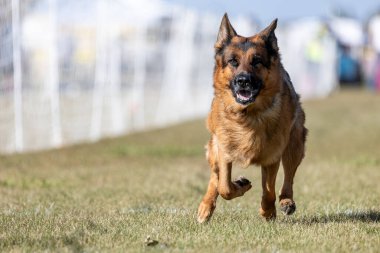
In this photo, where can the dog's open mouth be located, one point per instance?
(244, 95)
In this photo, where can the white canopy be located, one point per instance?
(348, 31)
(374, 31)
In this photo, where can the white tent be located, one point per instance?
(348, 31)
(374, 32)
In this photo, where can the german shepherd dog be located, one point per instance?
(256, 118)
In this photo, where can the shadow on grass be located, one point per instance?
(369, 216)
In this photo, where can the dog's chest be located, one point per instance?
(254, 143)
(243, 145)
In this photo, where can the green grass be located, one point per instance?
(111, 195)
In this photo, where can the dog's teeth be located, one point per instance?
(242, 97)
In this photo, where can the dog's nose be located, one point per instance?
(243, 81)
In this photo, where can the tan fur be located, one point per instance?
(264, 132)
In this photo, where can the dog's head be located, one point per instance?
(244, 65)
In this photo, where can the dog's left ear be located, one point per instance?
(269, 37)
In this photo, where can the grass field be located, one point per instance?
(111, 195)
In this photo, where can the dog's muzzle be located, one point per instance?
(245, 88)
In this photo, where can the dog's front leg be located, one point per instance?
(220, 183)
(208, 204)
(230, 189)
(291, 159)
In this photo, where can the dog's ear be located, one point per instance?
(269, 37)
(226, 32)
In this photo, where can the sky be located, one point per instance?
(262, 11)
(266, 10)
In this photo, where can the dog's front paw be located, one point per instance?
(205, 211)
(242, 181)
(287, 206)
(236, 188)
(242, 185)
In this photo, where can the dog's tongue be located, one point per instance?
(244, 94)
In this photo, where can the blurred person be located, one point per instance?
(315, 52)
(349, 68)
(350, 36)
(368, 63)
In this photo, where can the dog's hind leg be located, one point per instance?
(268, 174)
(291, 159)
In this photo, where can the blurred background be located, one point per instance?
(79, 70)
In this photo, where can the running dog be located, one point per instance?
(256, 119)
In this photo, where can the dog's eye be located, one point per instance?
(233, 62)
(256, 63)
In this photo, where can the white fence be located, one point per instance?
(74, 71)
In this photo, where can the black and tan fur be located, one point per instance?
(256, 118)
